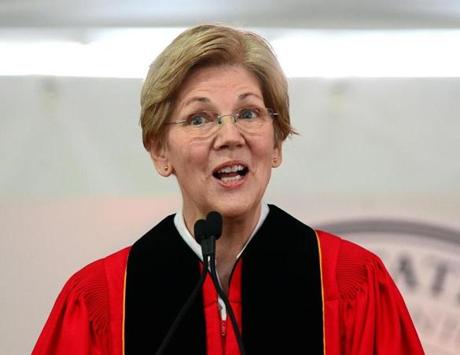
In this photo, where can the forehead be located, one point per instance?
(217, 83)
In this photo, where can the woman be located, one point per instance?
(215, 114)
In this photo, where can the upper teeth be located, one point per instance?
(231, 169)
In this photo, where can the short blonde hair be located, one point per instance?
(209, 45)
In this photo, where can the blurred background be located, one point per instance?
(375, 95)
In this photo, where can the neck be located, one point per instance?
(235, 234)
(236, 230)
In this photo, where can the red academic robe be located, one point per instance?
(363, 311)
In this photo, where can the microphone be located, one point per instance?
(212, 232)
(214, 220)
(200, 230)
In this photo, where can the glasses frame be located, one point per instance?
(219, 118)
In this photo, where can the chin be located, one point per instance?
(237, 209)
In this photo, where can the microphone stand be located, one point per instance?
(199, 232)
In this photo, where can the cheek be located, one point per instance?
(188, 157)
(265, 149)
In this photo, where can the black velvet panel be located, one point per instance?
(162, 272)
(281, 289)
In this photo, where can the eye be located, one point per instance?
(199, 119)
(248, 113)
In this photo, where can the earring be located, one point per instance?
(166, 169)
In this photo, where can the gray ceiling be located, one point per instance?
(255, 13)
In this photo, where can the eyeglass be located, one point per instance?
(248, 119)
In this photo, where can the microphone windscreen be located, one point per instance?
(200, 230)
(214, 220)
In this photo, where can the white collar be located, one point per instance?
(193, 244)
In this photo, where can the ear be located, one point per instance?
(277, 156)
(159, 155)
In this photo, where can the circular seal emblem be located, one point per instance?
(424, 261)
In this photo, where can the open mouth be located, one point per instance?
(231, 173)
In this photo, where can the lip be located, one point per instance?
(231, 184)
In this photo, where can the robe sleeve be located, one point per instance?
(374, 317)
(78, 321)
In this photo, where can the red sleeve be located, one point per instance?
(78, 323)
(373, 316)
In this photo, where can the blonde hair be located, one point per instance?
(209, 45)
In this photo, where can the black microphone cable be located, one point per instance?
(214, 231)
(224, 298)
(199, 228)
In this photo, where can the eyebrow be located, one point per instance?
(204, 99)
(245, 95)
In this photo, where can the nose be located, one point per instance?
(228, 135)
